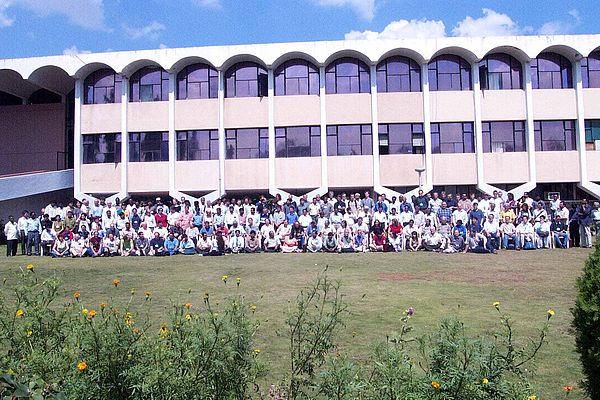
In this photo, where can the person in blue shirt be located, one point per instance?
(34, 229)
(172, 244)
(477, 213)
(197, 219)
(292, 216)
(158, 245)
(207, 229)
(461, 228)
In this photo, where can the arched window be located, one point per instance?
(398, 74)
(590, 70)
(149, 84)
(551, 71)
(347, 75)
(500, 71)
(246, 79)
(449, 72)
(198, 81)
(296, 77)
(102, 87)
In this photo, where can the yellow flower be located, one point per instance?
(216, 314)
(82, 366)
(532, 397)
(92, 314)
(568, 388)
(188, 305)
(148, 295)
(238, 281)
(485, 381)
(103, 305)
(188, 317)
(132, 291)
(225, 277)
(253, 308)
(77, 295)
(116, 282)
(496, 305)
(206, 297)
(550, 313)
(85, 311)
(163, 331)
(19, 313)
(129, 321)
(29, 333)
(257, 351)
(435, 385)
(30, 267)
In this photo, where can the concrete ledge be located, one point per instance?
(31, 184)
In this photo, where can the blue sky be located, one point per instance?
(48, 27)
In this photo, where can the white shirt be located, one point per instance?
(236, 243)
(22, 224)
(459, 215)
(11, 231)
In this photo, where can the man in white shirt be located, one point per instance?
(22, 228)
(77, 247)
(11, 232)
(509, 232)
(237, 242)
(526, 234)
(491, 230)
(435, 202)
(108, 219)
(305, 219)
(161, 230)
(459, 214)
(315, 243)
(542, 229)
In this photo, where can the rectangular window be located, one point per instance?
(197, 145)
(102, 148)
(401, 139)
(503, 136)
(298, 141)
(349, 140)
(246, 143)
(555, 135)
(148, 146)
(592, 130)
(452, 137)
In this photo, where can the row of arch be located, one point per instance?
(498, 71)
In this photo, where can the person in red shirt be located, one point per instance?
(395, 227)
(160, 217)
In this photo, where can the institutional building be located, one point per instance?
(515, 113)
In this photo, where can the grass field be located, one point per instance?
(526, 283)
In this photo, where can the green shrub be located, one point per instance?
(586, 321)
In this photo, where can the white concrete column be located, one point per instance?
(77, 145)
(124, 137)
(221, 190)
(271, 127)
(427, 127)
(375, 129)
(580, 123)
(172, 137)
(530, 126)
(323, 99)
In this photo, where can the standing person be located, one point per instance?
(34, 229)
(584, 216)
(22, 227)
(11, 231)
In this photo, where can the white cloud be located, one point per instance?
(364, 8)
(163, 46)
(88, 14)
(150, 31)
(561, 27)
(401, 29)
(73, 51)
(5, 20)
(491, 23)
(214, 4)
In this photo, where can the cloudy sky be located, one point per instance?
(49, 27)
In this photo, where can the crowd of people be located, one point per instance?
(342, 223)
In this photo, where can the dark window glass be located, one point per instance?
(452, 137)
(7, 99)
(592, 130)
(296, 77)
(149, 84)
(246, 79)
(590, 70)
(398, 74)
(246, 143)
(44, 96)
(102, 87)
(500, 71)
(148, 146)
(347, 75)
(401, 139)
(449, 72)
(198, 81)
(503, 136)
(298, 141)
(349, 140)
(551, 71)
(555, 135)
(101, 148)
(197, 145)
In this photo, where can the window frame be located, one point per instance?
(539, 135)
(383, 75)
(485, 74)
(281, 135)
(488, 131)
(232, 137)
(585, 70)
(261, 79)
(365, 131)
(135, 94)
(332, 70)
(138, 154)
(436, 131)
(417, 132)
(112, 157)
(433, 68)
(280, 74)
(90, 84)
(183, 139)
(566, 71)
(183, 82)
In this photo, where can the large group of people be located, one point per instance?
(333, 223)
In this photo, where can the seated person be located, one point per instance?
(298, 233)
(110, 246)
(315, 243)
(204, 243)
(272, 243)
(560, 230)
(542, 230)
(396, 242)
(172, 244)
(252, 243)
(509, 232)
(60, 248)
(433, 241)
(218, 245)
(95, 246)
(477, 242)
(456, 243)
(47, 239)
(330, 244)
(359, 244)
(345, 242)
(284, 229)
(378, 241)
(413, 243)
(526, 234)
(187, 246)
(290, 245)
(444, 228)
(237, 242)
(161, 230)
(127, 246)
(142, 244)
(157, 245)
(207, 229)
(78, 247)
(491, 230)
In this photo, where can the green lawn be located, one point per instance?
(436, 285)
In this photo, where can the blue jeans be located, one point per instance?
(33, 239)
(514, 238)
(561, 240)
